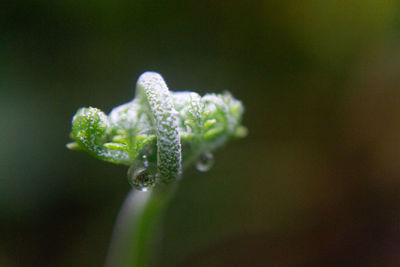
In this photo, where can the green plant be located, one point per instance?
(157, 134)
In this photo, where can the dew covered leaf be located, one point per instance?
(170, 129)
(90, 130)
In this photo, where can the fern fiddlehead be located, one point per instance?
(159, 132)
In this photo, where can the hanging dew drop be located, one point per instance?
(142, 176)
(145, 161)
(204, 162)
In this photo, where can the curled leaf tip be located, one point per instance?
(169, 130)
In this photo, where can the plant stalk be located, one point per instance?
(137, 230)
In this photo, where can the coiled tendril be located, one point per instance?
(159, 131)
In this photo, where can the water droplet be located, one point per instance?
(145, 161)
(142, 176)
(204, 162)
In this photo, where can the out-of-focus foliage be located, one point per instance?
(315, 182)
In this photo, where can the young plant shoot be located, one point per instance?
(157, 135)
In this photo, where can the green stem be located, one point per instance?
(136, 233)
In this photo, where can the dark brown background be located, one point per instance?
(316, 182)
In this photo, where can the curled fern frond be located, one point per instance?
(159, 132)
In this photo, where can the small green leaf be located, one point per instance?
(212, 133)
(209, 123)
(115, 146)
(119, 139)
(73, 146)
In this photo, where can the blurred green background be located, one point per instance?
(316, 182)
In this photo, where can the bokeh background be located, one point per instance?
(315, 183)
